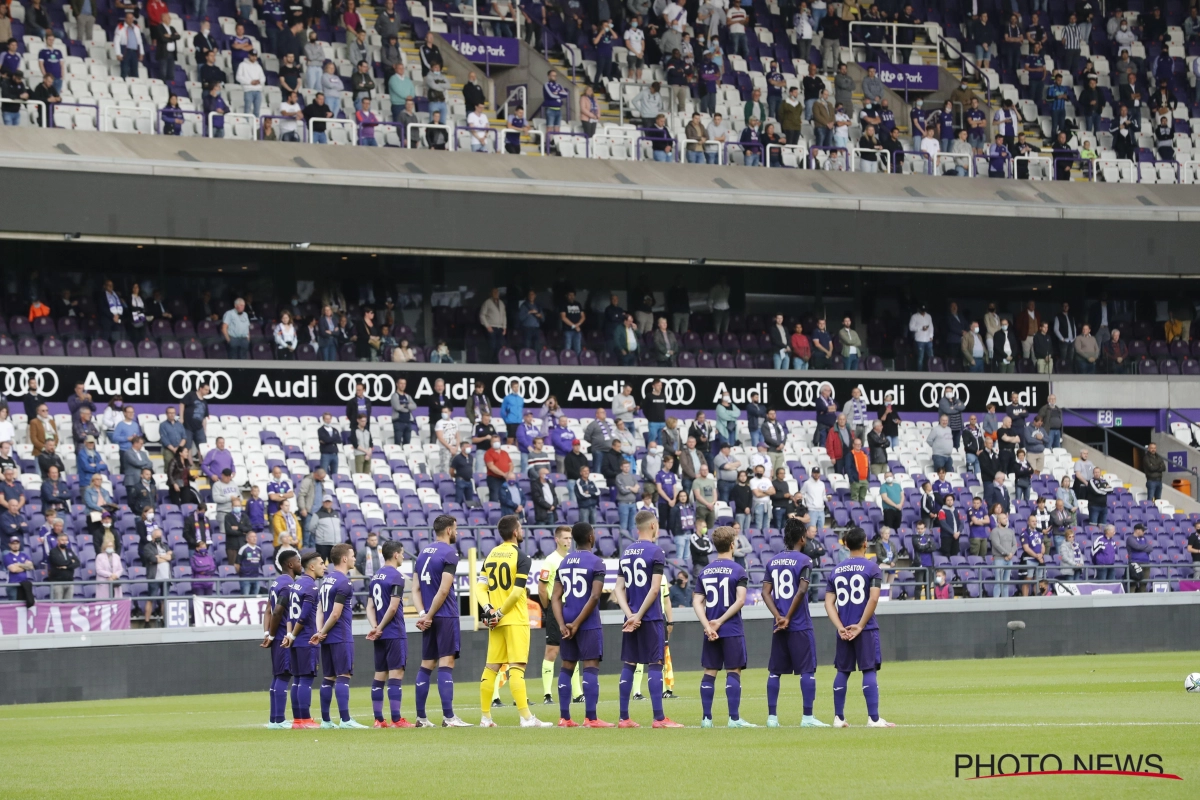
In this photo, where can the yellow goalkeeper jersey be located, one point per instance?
(504, 569)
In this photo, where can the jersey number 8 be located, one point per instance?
(857, 593)
(499, 576)
(377, 596)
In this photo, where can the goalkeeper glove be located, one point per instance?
(490, 616)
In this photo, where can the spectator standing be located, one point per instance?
(235, 326)
(1003, 541)
(921, 326)
(1139, 548)
(1153, 465)
(1004, 349)
(952, 407)
(941, 439)
(530, 318)
(1087, 351)
(60, 569)
(851, 344)
(1098, 491)
(1064, 333)
(1104, 554)
(493, 316)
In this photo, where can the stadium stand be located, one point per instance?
(1007, 67)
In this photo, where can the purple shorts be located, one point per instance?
(644, 645)
(337, 659)
(862, 650)
(281, 659)
(724, 653)
(793, 653)
(304, 660)
(441, 640)
(585, 645)
(390, 654)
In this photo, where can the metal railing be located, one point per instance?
(587, 143)
(856, 159)
(162, 123)
(514, 91)
(301, 128)
(895, 46)
(954, 159)
(1120, 163)
(899, 164)
(228, 120)
(517, 21)
(38, 104)
(1044, 164)
(94, 109)
(541, 140)
(420, 126)
(109, 115)
(1106, 431)
(831, 153)
(800, 151)
(495, 136)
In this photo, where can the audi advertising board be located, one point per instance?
(333, 385)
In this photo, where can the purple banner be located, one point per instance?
(113, 615)
(488, 49)
(918, 77)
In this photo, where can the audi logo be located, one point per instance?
(679, 391)
(379, 386)
(182, 381)
(931, 393)
(799, 394)
(16, 380)
(533, 389)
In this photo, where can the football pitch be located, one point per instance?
(1110, 711)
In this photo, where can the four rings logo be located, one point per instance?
(16, 381)
(931, 393)
(679, 391)
(379, 387)
(182, 381)
(533, 390)
(799, 394)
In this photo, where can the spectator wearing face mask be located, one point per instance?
(1005, 348)
(974, 350)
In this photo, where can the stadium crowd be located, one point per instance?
(709, 82)
(679, 326)
(975, 498)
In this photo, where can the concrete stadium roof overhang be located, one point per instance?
(203, 192)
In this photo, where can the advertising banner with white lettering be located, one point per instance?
(228, 612)
(333, 385)
(917, 77)
(60, 617)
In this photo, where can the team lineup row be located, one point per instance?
(309, 621)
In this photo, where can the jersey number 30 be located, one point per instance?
(499, 576)
(853, 590)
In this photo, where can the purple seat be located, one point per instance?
(687, 360)
(936, 365)
(160, 328)
(1168, 366)
(527, 357)
(307, 353)
(171, 349)
(184, 329)
(730, 341)
(125, 349)
(689, 341)
(28, 346)
(216, 350)
(43, 327)
(7, 346)
(874, 363)
(68, 328)
(705, 360)
(587, 358)
(1159, 350)
(568, 358)
(763, 361)
(711, 342)
(147, 349)
(207, 329)
(346, 353)
(1179, 350)
(193, 349)
(507, 356)
(262, 351)
(1196, 348)
(749, 342)
(744, 361)
(1148, 366)
(725, 361)
(1137, 349)
(548, 358)
(1190, 366)
(76, 348)
(101, 349)
(52, 346)
(19, 326)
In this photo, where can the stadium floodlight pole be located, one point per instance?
(473, 572)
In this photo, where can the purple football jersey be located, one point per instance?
(785, 572)
(386, 584)
(718, 583)
(336, 590)
(850, 583)
(1033, 538)
(640, 562)
(432, 562)
(577, 572)
(279, 595)
(302, 607)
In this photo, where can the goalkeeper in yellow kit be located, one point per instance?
(501, 592)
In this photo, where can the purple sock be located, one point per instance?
(839, 694)
(446, 690)
(279, 694)
(395, 690)
(654, 682)
(733, 693)
(326, 699)
(295, 698)
(708, 688)
(422, 690)
(591, 690)
(808, 690)
(304, 696)
(377, 699)
(625, 688)
(871, 693)
(342, 690)
(772, 692)
(564, 694)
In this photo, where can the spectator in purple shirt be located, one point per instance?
(217, 460)
(1139, 548)
(1104, 553)
(367, 121)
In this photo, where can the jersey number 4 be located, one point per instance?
(853, 590)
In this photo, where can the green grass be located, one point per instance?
(215, 746)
